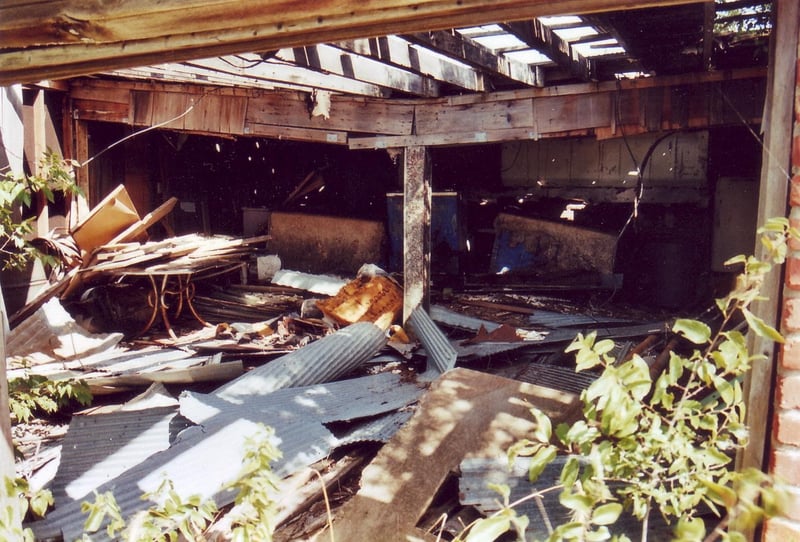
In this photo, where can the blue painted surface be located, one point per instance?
(447, 237)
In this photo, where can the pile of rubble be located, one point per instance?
(405, 424)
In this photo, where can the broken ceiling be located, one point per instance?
(426, 50)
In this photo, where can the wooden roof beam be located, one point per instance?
(332, 60)
(52, 39)
(251, 68)
(470, 51)
(401, 53)
(543, 39)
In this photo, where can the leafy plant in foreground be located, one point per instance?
(33, 393)
(23, 499)
(172, 517)
(17, 192)
(663, 447)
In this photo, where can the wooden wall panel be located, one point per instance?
(349, 114)
(103, 111)
(360, 122)
(142, 105)
(564, 113)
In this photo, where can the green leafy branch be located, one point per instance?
(17, 500)
(35, 393)
(665, 446)
(16, 194)
(172, 516)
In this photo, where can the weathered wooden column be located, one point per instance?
(772, 199)
(80, 205)
(416, 228)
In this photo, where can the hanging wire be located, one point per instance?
(149, 128)
(757, 137)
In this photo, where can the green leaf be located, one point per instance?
(719, 494)
(693, 330)
(539, 462)
(489, 529)
(689, 529)
(581, 504)
(598, 535)
(41, 501)
(606, 514)
(502, 489)
(761, 328)
(570, 472)
(544, 428)
(95, 518)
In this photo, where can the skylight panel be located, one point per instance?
(529, 56)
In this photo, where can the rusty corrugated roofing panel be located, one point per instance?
(451, 318)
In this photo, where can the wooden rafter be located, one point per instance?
(51, 39)
(249, 66)
(543, 39)
(399, 52)
(333, 60)
(475, 54)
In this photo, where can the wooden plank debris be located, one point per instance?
(465, 413)
(114, 214)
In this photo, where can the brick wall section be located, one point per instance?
(784, 459)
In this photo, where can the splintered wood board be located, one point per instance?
(465, 413)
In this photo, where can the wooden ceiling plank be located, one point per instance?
(543, 39)
(63, 38)
(397, 51)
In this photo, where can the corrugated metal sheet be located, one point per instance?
(482, 350)
(553, 319)
(207, 456)
(323, 360)
(380, 429)
(445, 316)
(100, 447)
(335, 401)
(318, 284)
(441, 354)
(557, 377)
(474, 490)
(52, 334)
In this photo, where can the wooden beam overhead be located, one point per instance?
(399, 52)
(53, 39)
(250, 66)
(332, 60)
(475, 54)
(543, 39)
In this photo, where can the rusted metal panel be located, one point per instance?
(528, 244)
